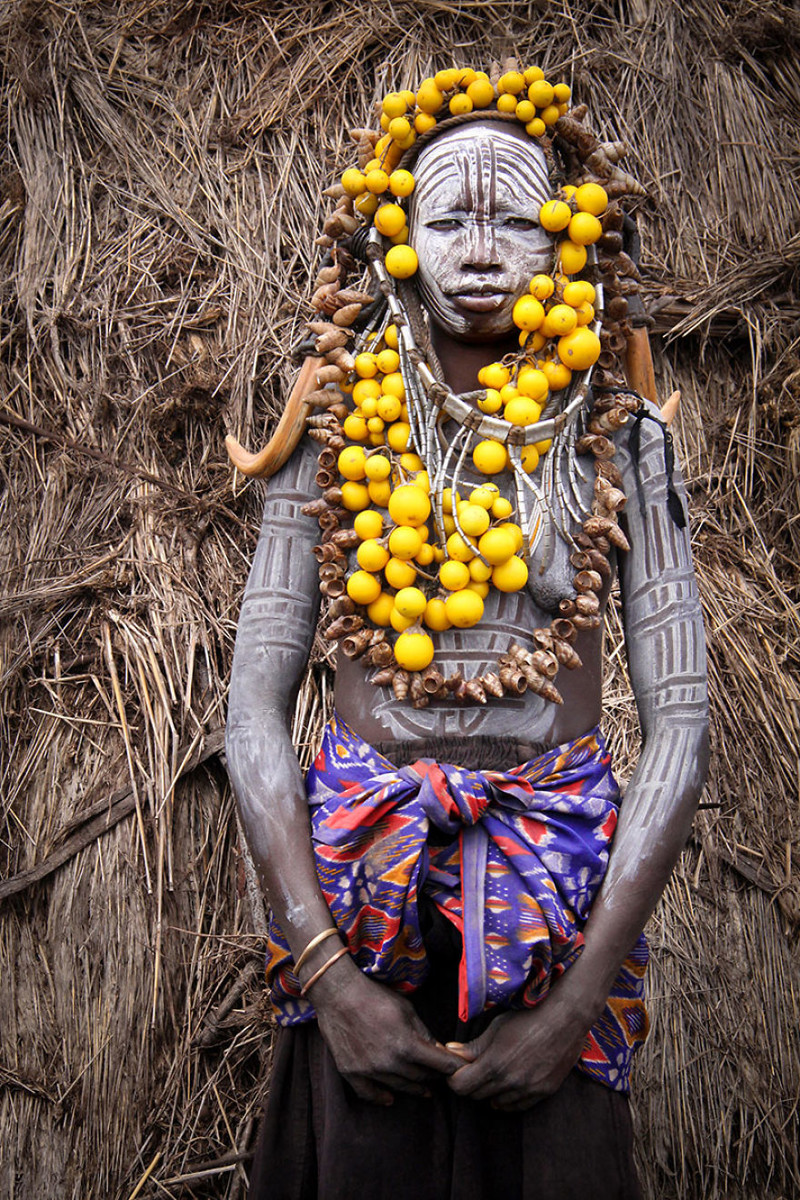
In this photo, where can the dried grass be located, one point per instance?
(158, 197)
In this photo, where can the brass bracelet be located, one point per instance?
(318, 974)
(311, 947)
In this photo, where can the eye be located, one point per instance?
(522, 223)
(443, 224)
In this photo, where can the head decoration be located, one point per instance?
(446, 538)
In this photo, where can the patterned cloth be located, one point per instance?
(515, 863)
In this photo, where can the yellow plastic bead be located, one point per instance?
(572, 257)
(490, 457)
(399, 574)
(541, 93)
(352, 463)
(481, 93)
(479, 588)
(584, 229)
(497, 546)
(585, 313)
(436, 617)
(501, 509)
(409, 505)
(447, 78)
(377, 467)
(390, 337)
(368, 524)
(473, 518)
(405, 543)
(398, 621)
(397, 436)
(530, 459)
(423, 122)
(507, 103)
(367, 204)
(389, 408)
(354, 182)
(377, 181)
(376, 424)
(429, 98)
(466, 76)
(460, 104)
(492, 402)
(494, 375)
(401, 262)
(485, 495)
(394, 105)
(543, 446)
(510, 576)
(454, 575)
(390, 219)
(542, 287)
(401, 183)
(388, 361)
(579, 349)
(528, 313)
(550, 115)
(410, 602)
(558, 375)
(366, 366)
(410, 462)
(574, 293)
(562, 93)
(369, 407)
(448, 501)
(379, 491)
(560, 320)
(479, 572)
(366, 389)
(414, 651)
(554, 216)
(522, 411)
(354, 496)
(458, 549)
(392, 385)
(532, 383)
(363, 588)
(380, 610)
(525, 111)
(464, 608)
(509, 392)
(425, 555)
(399, 128)
(514, 531)
(511, 83)
(531, 74)
(536, 127)
(372, 556)
(591, 198)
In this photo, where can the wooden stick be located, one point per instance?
(285, 438)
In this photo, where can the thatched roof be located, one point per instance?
(159, 194)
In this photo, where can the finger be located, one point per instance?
(436, 1058)
(469, 1078)
(466, 1051)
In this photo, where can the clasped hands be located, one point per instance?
(381, 1046)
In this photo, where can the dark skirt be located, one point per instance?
(318, 1141)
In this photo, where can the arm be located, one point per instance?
(373, 1034)
(524, 1056)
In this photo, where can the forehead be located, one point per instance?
(478, 167)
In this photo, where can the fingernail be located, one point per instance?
(454, 1046)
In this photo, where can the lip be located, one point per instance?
(479, 299)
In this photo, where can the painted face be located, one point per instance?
(474, 225)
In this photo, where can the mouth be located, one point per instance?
(482, 298)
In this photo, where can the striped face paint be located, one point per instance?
(474, 225)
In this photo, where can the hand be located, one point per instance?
(522, 1057)
(376, 1038)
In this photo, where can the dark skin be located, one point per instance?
(377, 1040)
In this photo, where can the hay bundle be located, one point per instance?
(158, 201)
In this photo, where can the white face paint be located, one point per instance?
(474, 225)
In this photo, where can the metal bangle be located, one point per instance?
(311, 947)
(318, 974)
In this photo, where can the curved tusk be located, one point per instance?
(670, 408)
(639, 364)
(288, 433)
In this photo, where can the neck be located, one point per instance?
(461, 361)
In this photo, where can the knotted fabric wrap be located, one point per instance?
(515, 862)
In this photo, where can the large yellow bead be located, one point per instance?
(409, 505)
(363, 588)
(372, 556)
(510, 576)
(464, 609)
(354, 496)
(490, 457)
(413, 651)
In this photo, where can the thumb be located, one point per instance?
(470, 1051)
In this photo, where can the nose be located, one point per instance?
(480, 248)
